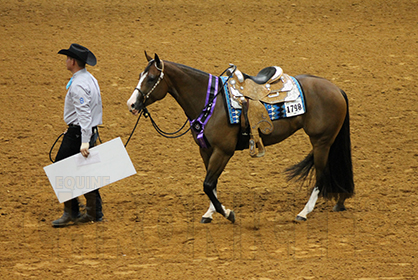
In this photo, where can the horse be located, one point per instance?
(326, 122)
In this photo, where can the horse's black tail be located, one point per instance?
(337, 178)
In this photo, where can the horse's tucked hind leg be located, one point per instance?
(319, 158)
(310, 205)
(340, 203)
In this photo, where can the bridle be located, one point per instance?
(146, 96)
(145, 112)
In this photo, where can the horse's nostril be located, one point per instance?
(133, 105)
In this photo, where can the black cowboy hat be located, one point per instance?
(81, 53)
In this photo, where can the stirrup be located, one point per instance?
(253, 150)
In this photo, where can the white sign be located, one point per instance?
(77, 175)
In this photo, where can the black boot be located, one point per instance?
(63, 221)
(93, 208)
(71, 214)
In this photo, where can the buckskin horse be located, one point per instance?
(326, 122)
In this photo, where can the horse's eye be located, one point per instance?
(151, 78)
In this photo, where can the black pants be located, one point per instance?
(70, 146)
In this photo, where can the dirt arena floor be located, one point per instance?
(152, 229)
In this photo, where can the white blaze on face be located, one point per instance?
(134, 96)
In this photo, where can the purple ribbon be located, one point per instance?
(198, 125)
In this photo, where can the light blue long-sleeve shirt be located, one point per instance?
(83, 103)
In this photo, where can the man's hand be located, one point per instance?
(84, 149)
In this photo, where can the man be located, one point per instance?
(82, 113)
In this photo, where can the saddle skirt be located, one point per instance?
(286, 102)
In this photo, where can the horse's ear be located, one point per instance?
(158, 61)
(147, 56)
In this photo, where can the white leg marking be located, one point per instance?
(212, 209)
(310, 205)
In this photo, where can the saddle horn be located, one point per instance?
(230, 71)
(239, 75)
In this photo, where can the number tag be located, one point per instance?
(295, 108)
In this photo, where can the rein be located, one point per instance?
(157, 128)
(167, 134)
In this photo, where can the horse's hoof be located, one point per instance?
(231, 217)
(300, 218)
(338, 208)
(205, 220)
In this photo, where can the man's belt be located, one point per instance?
(94, 128)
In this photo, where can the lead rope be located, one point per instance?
(53, 145)
(145, 112)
